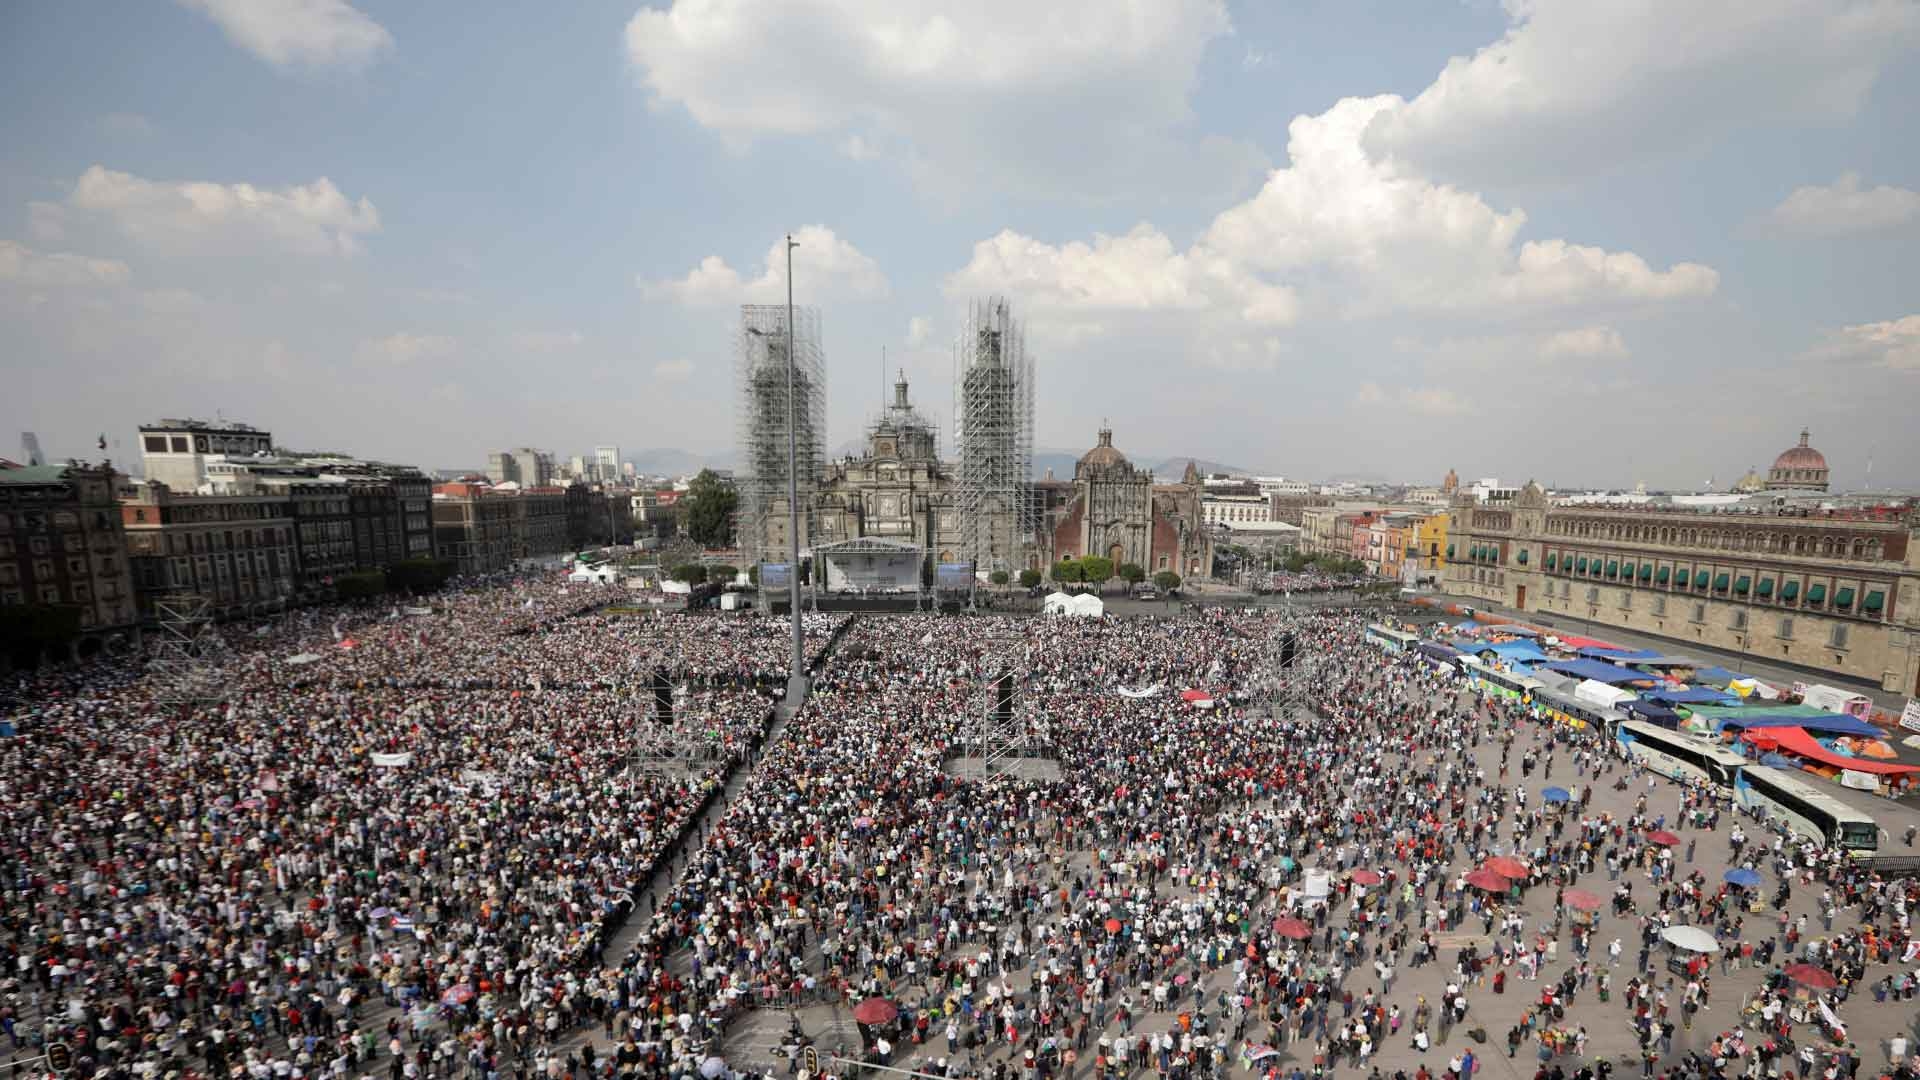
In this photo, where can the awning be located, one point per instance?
(1843, 598)
(1743, 584)
(1796, 741)
(1766, 586)
(1626, 570)
(1700, 578)
(1613, 568)
(1523, 556)
(1817, 594)
(1747, 719)
(1619, 655)
(1449, 551)
(1611, 674)
(1690, 695)
(1552, 560)
(1875, 601)
(1583, 564)
(1789, 590)
(1517, 652)
(1720, 583)
(1646, 571)
(1664, 571)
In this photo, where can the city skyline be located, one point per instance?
(1320, 241)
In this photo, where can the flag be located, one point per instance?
(402, 924)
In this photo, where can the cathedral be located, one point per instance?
(1114, 509)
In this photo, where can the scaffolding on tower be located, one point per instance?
(183, 669)
(993, 427)
(761, 380)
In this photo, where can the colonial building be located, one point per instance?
(1798, 468)
(237, 551)
(897, 490)
(1834, 590)
(1116, 510)
(61, 546)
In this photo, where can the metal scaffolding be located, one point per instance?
(669, 745)
(993, 425)
(762, 426)
(183, 671)
(1286, 670)
(1000, 723)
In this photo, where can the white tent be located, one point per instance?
(1085, 605)
(1057, 603)
(599, 575)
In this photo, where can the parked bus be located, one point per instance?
(1394, 641)
(1576, 713)
(1782, 796)
(1677, 755)
(1506, 685)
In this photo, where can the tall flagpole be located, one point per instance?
(797, 677)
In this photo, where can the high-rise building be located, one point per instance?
(606, 464)
(176, 452)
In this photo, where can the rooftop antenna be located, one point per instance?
(883, 380)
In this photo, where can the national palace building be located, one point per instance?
(1786, 575)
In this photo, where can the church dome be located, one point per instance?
(1103, 455)
(1799, 467)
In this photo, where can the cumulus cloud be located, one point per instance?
(1894, 344)
(1845, 207)
(1545, 104)
(1335, 234)
(299, 33)
(199, 217)
(1069, 96)
(824, 267)
(1587, 341)
(21, 265)
(919, 331)
(407, 349)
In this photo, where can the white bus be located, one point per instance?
(1679, 756)
(1394, 641)
(1579, 714)
(1501, 684)
(1814, 814)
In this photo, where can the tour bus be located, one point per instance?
(1679, 755)
(1805, 809)
(1576, 713)
(1394, 641)
(1501, 684)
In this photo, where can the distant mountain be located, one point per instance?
(672, 461)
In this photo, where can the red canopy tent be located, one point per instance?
(1795, 740)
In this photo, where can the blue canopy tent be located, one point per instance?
(1717, 676)
(1651, 713)
(1604, 673)
(1830, 724)
(1691, 695)
(1437, 650)
(1517, 652)
(1743, 877)
(1623, 655)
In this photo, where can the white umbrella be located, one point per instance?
(1690, 938)
(713, 1067)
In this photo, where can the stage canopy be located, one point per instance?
(868, 563)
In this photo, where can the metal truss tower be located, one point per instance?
(666, 745)
(993, 423)
(761, 379)
(183, 671)
(1286, 668)
(1000, 724)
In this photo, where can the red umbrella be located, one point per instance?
(875, 1011)
(1484, 878)
(1507, 867)
(1367, 877)
(1663, 838)
(1113, 926)
(1288, 927)
(1582, 900)
(1811, 977)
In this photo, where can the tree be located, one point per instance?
(999, 577)
(1066, 572)
(691, 573)
(1131, 573)
(753, 575)
(1096, 570)
(706, 510)
(360, 585)
(1029, 578)
(419, 575)
(722, 573)
(1166, 581)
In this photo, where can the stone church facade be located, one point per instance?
(1114, 509)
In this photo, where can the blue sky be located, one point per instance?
(1589, 243)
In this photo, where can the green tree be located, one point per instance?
(1067, 572)
(706, 510)
(361, 585)
(419, 575)
(1029, 578)
(691, 573)
(1096, 570)
(1166, 581)
(722, 573)
(28, 629)
(753, 575)
(1131, 573)
(999, 577)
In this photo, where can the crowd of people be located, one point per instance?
(421, 854)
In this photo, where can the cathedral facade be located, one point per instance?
(1114, 509)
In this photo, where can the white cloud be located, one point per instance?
(547, 340)
(1334, 234)
(405, 349)
(672, 370)
(1068, 96)
(1893, 344)
(1418, 400)
(195, 217)
(1587, 341)
(306, 33)
(919, 331)
(21, 265)
(1844, 207)
(1548, 102)
(824, 266)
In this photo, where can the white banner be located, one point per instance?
(393, 761)
(1138, 694)
(1910, 716)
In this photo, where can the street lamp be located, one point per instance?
(797, 673)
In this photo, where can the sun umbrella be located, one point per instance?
(1663, 838)
(1507, 866)
(1743, 877)
(1690, 938)
(1367, 877)
(1289, 927)
(1811, 977)
(1113, 926)
(1484, 878)
(713, 1068)
(457, 995)
(1582, 900)
(875, 1011)
(1557, 795)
